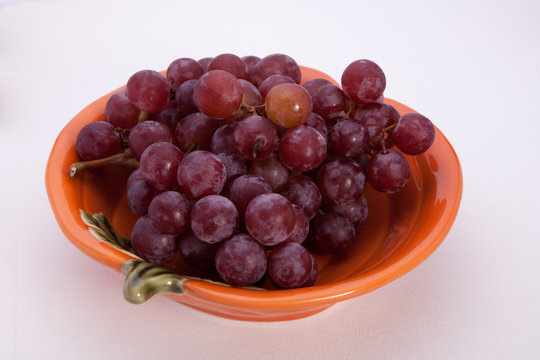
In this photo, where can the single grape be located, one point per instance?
(254, 137)
(250, 62)
(289, 265)
(301, 225)
(313, 85)
(313, 273)
(159, 163)
(214, 218)
(201, 173)
(276, 64)
(288, 105)
(135, 176)
(318, 123)
(204, 62)
(184, 97)
(120, 112)
(182, 70)
(332, 233)
(302, 148)
(244, 188)
(272, 81)
(147, 133)
(349, 138)
(251, 95)
(271, 169)
(240, 260)
(169, 213)
(413, 134)
(195, 131)
(375, 117)
(388, 172)
(269, 218)
(170, 117)
(148, 90)
(218, 94)
(363, 81)
(235, 166)
(330, 102)
(302, 191)
(356, 211)
(341, 181)
(223, 140)
(98, 140)
(139, 196)
(150, 245)
(230, 63)
(197, 253)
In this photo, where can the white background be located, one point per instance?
(472, 67)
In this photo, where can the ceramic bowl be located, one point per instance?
(401, 231)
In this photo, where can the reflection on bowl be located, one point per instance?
(401, 230)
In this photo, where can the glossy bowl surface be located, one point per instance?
(401, 230)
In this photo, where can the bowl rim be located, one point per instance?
(77, 232)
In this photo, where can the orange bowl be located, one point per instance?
(401, 230)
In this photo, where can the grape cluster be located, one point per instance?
(245, 171)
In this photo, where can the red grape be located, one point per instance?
(195, 131)
(235, 166)
(375, 117)
(254, 137)
(269, 218)
(250, 62)
(197, 253)
(218, 94)
(330, 102)
(276, 64)
(98, 140)
(121, 112)
(289, 265)
(159, 163)
(149, 244)
(201, 173)
(388, 172)
(356, 211)
(230, 63)
(272, 81)
(301, 225)
(184, 97)
(169, 213)
(181, 70)
(244, 188)
(147, 133)
(332, 233)
(271, 169)
(313, 85)
(148, 90)
(302, 191)
(349, 138)
(341, 181)
(413, 134)
(288, 105)
(363, 81)
(302, 148)
(214, 218)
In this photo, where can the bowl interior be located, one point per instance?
(401, 230)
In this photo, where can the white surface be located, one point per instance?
(473, 67)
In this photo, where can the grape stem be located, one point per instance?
(254, 110)
(382, 136)
(125, 158)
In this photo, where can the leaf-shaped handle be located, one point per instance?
(143, 280)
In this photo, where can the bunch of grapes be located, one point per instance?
(245, 171)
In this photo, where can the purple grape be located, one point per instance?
(388, 172)
(223, 140)
(301, 225)
(318, 123)
(182, 70)
(170, 118)
(159, 163)
(271, 169)
(332, 233)
(302, 191)
(341, 181)
(251, 95)
(139, 196)
(330, 102)
(235, 166)
(120, 112)
(230, 63)
(169, 213)
(276, 64)
(375, 117)
(289, 265)
(349, 138)
(214, 218)
(201, 173)
(315, 84)
(218, 94)
(250, 62)
(195, 131)
(98, 140)
(244, 188)
(269, 218)
(147, 133)
(135, 176)
(204, 62)
(184, 97)
(413, 134)
(356, 211)
(254, 138)
(302, 148)
(363, 81)
(197, 253)
(241, 261)
(148, 90)
(313, 273)
(150, 245)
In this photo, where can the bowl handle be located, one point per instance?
(143, 280)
